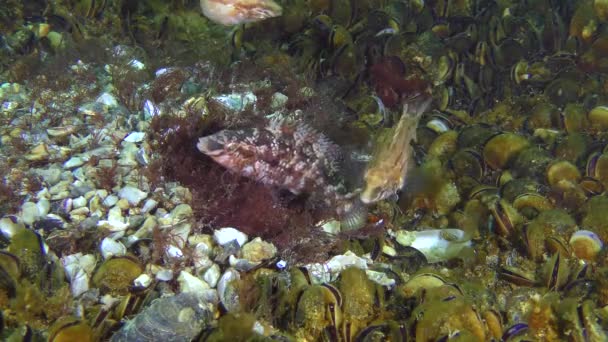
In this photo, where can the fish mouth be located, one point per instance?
(210, 146)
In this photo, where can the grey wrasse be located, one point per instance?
(285, 155)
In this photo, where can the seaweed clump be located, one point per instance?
(221, 198)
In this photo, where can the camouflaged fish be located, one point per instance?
(235, 12)
(290, 156)
(385, 175)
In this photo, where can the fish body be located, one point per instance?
(385, 174)
(236, 12)
(289, 156)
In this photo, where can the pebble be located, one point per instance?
(189, 283)
(132, 194)
(107, 99)
(258, 250)
(149, 205)
(51, 176)
(74, 162)
(278, 101)
(115, 222)
(143, 281)
(44, 206)
(212, 275)
(135, 137)
(29, 213)
(79, 202)
(110, 247)
(110, 201)
(226, 235)
(164, 275)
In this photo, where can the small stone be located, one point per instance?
(38, 153)
(258, 250)
(132, 194)
(110, 247)
(107, 99)
(149, 205)
(225, 235)
(115, 222)
(79, 202)
(44, 206)
(164, 275)
(29, 213)
(278, 101)
(135, 137)
(143, 281)
(190, 283)
(73, 162)
(110, 201)
(181, 212)
(212, 275)
(51, 176)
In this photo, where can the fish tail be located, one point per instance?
(416, 106)
(353, 215)
(413, 109)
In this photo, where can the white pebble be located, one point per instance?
(110, 201)
(190, 283)
(143, 280)
(212, 275)
(225, 235)
(132, 194)
(135, 137)
(73, 162)
(107, 99)
(29, 213)
(79, 202)
(44, 206)
(110, 247)
(149, 205)
(164, 275)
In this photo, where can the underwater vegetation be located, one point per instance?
(324, 170)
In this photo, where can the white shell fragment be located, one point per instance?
(143, 280)
(212, 275)
(226, 235)
(110, 247)
(236, 102)
(190, 283)
(132, 194)
(115, 222)
(436, 244)
(78, 269)
(226, 290)
(135, 137)
(329, 271)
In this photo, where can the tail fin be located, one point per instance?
(354, 215)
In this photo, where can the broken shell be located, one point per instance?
(436, 244)
(177, 318)
(585, 244)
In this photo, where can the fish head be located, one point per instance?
(378, 186)
(236, 12)
(229, 149)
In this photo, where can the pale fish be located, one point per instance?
(393, 157)
(235, 12)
